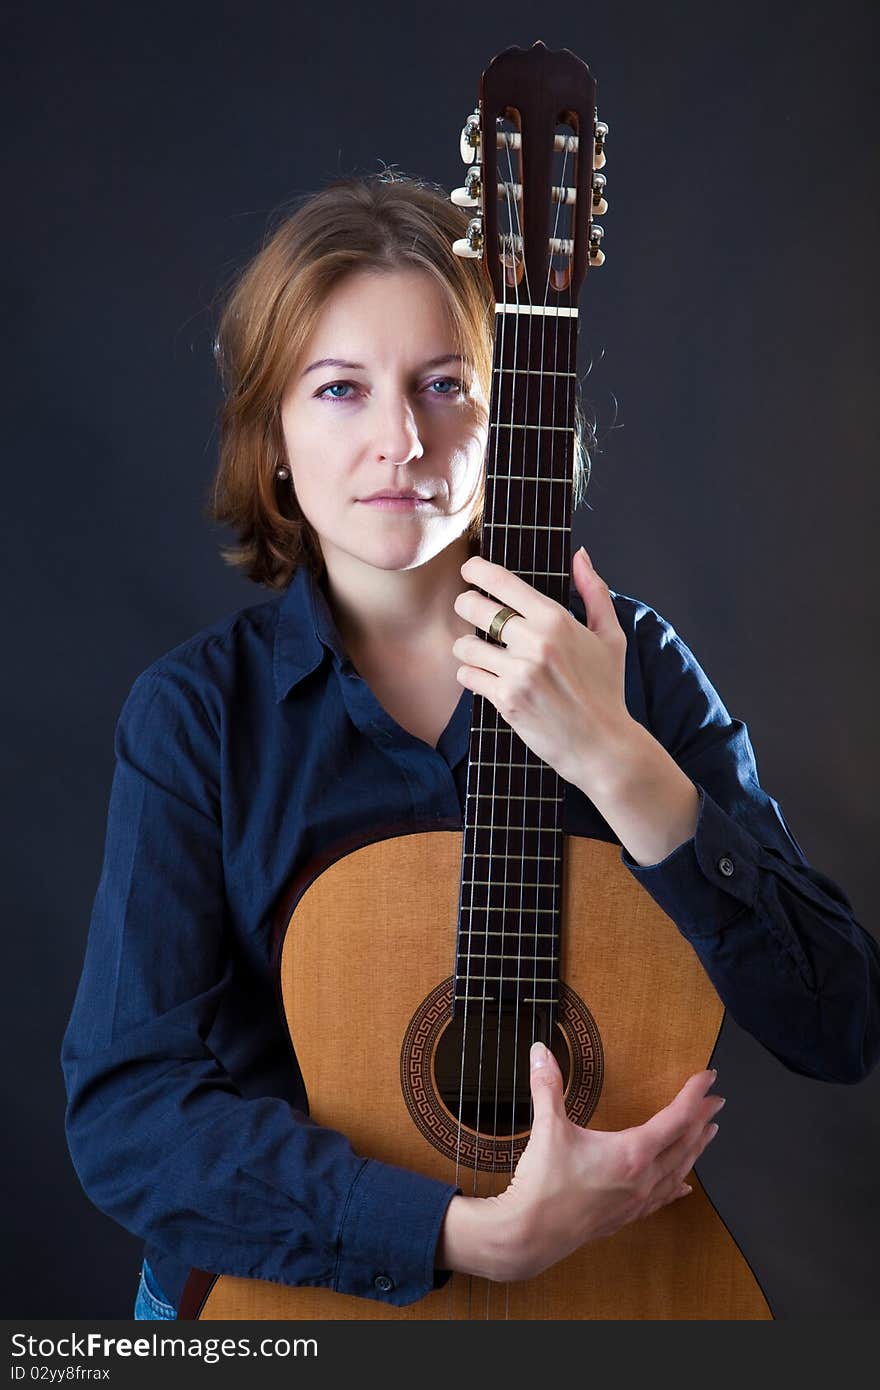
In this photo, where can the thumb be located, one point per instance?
(601, 613)
(545, 1079)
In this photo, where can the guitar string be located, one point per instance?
(514, 226)
(516, 230)
(473, 797)
(529, 761)
(512, 216)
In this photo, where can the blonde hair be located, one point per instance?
(377, 222)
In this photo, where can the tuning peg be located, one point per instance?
(470, 246)
(597, 255)
(470, 195)
(600, 206)
(601, 130)
(469, 144)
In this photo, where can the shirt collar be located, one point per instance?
(304, 632)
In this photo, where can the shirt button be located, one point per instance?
(383, 1282)
(726, 865)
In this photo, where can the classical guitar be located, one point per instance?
(453, 949)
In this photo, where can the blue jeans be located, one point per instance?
(151, 1303)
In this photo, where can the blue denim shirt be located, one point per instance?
(242, 754)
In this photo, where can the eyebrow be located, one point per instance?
(359, 366)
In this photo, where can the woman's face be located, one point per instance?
(388, 413)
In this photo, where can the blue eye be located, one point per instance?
(333, 386)
(446, 381)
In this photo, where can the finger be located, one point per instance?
(671, 1192)
(480, 682)
(670, 1123)
(485, 656)
(545, 1079)
(680, 1158)
(480, 611)
(505, 586)
(601, 614)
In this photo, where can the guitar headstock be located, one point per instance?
(535, 232)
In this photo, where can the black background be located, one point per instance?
(730, 342)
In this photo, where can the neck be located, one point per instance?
(375, 607)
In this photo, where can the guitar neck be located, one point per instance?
(508, 935)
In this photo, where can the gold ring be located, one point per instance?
(501, 617)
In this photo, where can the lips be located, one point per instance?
(408, 495)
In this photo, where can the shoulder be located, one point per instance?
(219, 663)
(647, 630)
(667, 688)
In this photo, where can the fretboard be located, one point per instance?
(508, 937)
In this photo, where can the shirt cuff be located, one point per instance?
(708, 880)
(389, 1234)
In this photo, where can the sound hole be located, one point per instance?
(481, 1072)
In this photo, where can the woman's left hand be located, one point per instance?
(558, 684)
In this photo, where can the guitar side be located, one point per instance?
(368, 946)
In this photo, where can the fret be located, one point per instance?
(491, 477)
(536, 371)
(502, 729)
(523, 526)
(504, 979)
(501, 762)
(526, 457)
(522, 457)
(491, 731)
(493, 931)
(512, 796)
(551, 347)
(480, 825)
(494, 883)
(551, 858)
(508, 425)
(491, 998)
(509, 908)
(507, 955)
(534, 394)
(520, 959)
(540, 310)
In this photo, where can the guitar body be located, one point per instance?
(364, 975)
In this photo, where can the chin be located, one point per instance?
(401, 559)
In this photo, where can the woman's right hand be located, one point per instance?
(573, 1185)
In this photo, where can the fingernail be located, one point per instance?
(538, 1055)
(713, 1130)
(713, 1073)
(586, 556)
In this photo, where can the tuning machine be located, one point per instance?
(470, 196)
(470, 246)
(469, 144)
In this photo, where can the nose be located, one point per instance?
(396, 436)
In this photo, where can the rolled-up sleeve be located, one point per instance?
(161, 1137)
(779, 940)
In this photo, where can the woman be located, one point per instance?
(356, 351)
